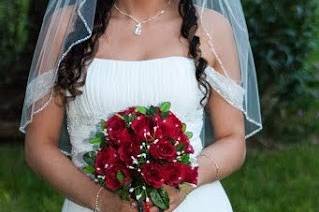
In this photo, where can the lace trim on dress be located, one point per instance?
(228, 89)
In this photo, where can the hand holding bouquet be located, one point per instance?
(140, 149)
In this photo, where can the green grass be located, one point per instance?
(20, 189)
(285, 180)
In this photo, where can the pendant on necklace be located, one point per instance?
(138, 29)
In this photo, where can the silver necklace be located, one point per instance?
(139, 24)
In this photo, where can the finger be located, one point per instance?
(171, 208)
(129, 207)
(154, 209)
(133, 204)
(150, 203)
(168, 210)
(168, 187)
(171, 191)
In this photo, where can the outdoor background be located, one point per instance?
(281, 172)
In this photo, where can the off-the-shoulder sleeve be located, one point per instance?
(225, 87)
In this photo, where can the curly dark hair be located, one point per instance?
(72, 67)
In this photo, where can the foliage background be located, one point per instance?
(281, 171)
(284, 34)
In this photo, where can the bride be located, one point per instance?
(96, 57)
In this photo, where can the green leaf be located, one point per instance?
(141, 160)
(185, 158)
(97, 139)
(180, 147)
(102, 124)
(189, 134)
(164, 196)
(89, 157)
(101, 182)
(89, 169)
(165, 106)
(159, 200)
(183, 127)
(141, 109)
(126, 119)
(164, 114)
(139, 193)
(151, 110)
(97, 147)
(120, 176)
(123, 193)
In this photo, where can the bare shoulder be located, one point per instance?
(220, 31)
(216, 23)
(63, 15)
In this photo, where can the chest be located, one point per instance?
(157, 40)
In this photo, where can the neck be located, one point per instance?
(142, 8)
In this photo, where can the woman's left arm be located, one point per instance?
(229, 149)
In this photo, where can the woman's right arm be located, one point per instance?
(45, 158)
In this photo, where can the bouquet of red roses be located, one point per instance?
(139, 149)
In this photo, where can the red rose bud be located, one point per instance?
(147, 206)
(105, 159)
(142, 127)
(130, 110)
(152, 174)
(187, 147)
(128, 149)
(117, 130)
(157, 132)
(170, 126)
(163, 149)
(190, 173)
(117, 176)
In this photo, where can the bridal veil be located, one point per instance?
(67, 23)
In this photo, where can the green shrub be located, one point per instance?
(283, 35)
(14, 35)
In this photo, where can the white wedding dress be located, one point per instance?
(113, 85)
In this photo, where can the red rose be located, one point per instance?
(176, 173)
(163, 149)
(117, 130)
(105, 159)
(157, 132)
(142, 127)
(190, 173)
(128, 149)
(170, 126)
(117, 176)
(173, 174)
(152, 174)
(187, 147)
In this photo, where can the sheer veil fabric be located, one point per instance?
(69, 22)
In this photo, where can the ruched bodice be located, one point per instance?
(113, 85)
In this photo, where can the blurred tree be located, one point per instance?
(20, 24)
(284, 34)
(14, 37)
